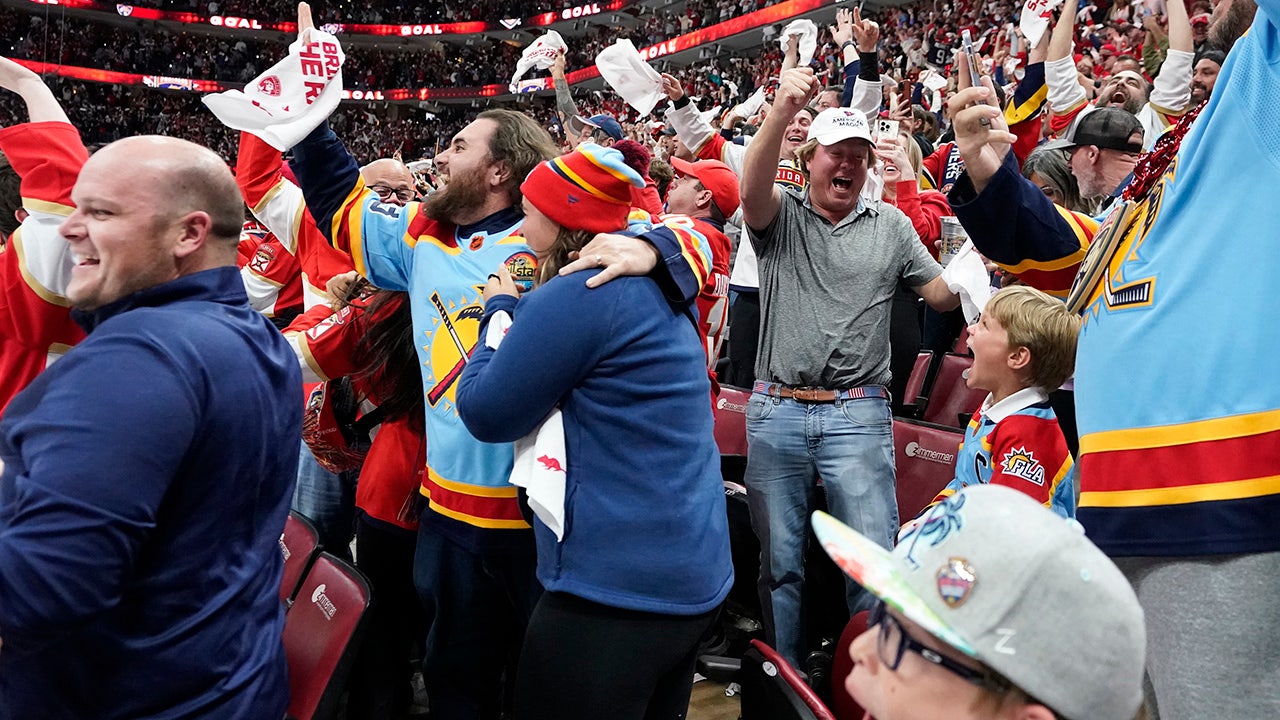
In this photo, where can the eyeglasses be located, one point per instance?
(386, 192)
(893, 642)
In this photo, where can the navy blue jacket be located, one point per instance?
(645, 523)
(147, 478)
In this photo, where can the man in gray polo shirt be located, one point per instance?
(829, 263)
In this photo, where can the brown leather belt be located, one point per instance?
(819, 395)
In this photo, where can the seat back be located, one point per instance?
(321, 634)
(951, 399)
(843, 706)
(914, 394)
(773, 690)
(925, 458)
(731, 420)
(299, 544)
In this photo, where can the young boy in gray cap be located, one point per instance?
(993, 607)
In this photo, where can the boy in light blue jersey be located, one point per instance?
(1023, 345)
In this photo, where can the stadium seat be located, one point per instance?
(962, 342)
(914, 398)
(321, 634)
(843, 706)
(951, 401)
(925, 457)
(773, 690)
(299, 544)
(731, 420)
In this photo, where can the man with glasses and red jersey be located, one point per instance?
(327, 499)
(992, 607)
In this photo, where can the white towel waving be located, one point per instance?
(541, 53)
(289, 100)
(630, 76)
(1035, 18)
(808, 34)
(966, 275)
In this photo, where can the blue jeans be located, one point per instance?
(849, 444)
(328, 500)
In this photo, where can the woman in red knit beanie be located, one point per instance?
(604, 392)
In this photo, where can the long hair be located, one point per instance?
(1051, 164)
(558, 256)
(388, 359)
(521, 143)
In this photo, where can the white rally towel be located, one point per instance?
(966, 275)
(289, 100)
(540, 458)
(541, 54)
(1035, 18)
(808, 33)
(630, 76)
(749, 107)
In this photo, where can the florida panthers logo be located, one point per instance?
(270, 86)
(262, 258)
(455, 330)
(1019, 462)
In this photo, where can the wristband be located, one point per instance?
(847, 44)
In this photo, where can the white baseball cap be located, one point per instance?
(1001, 578)
(840, 123)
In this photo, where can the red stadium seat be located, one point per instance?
(962, 342)
(951, 401)
(914, 397)
(321, 634)
(299, 544)
(925, 457)
(773, 690)
(843, 706)
(731, 420)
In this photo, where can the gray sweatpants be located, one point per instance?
(1213, 634)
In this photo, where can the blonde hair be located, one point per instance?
(913, 153)
(1044, 326)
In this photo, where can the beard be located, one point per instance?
(461, 197)
(1225, 30)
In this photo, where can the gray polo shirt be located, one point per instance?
(826, 292)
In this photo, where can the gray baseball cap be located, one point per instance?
(1001, 578)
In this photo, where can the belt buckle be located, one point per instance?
(805, 394)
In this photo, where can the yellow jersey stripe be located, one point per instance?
(1234, 490)
(1226, 428)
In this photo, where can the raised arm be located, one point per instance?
(1066, 94)
(867, 94)
(1171, 93)
(47, 155)
(565, 106)
(981, 132)
(761, 198)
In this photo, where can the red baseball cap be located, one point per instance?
(716, 177)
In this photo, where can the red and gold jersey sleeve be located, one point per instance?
(35, 265)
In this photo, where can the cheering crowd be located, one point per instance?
(477, 348)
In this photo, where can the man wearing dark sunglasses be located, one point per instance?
(992, 608)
